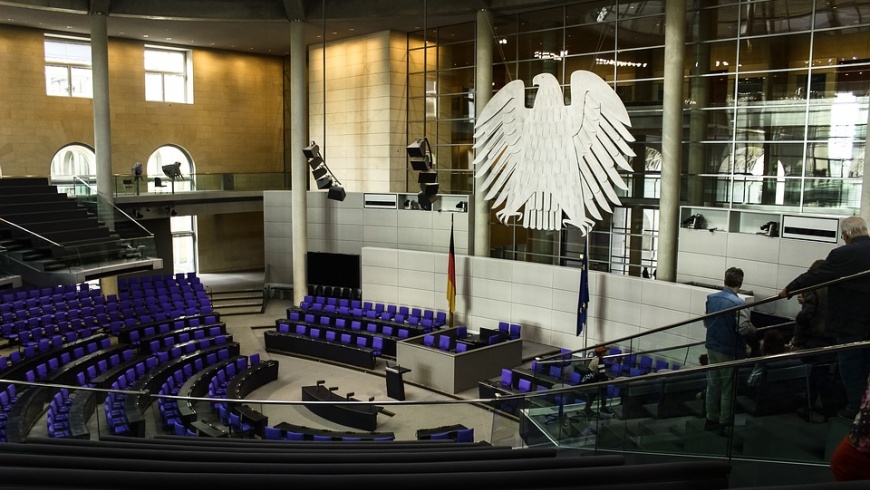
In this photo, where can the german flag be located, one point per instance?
(451, 273)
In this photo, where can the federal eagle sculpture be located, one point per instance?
(558, 162)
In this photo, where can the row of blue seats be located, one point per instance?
(138, 282)
(375, 327)
(303, 330)
(22, 294)
(374, 310)
(448, 343)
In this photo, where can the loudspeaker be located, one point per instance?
(319, 172)
(431, 190)
(336, 193)
(429, 177)
(315, 162)
(324, 181)
(417, 149)
(421, 164)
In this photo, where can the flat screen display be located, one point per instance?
(331, 269)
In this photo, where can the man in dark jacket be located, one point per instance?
(848, 309)
(725, 342)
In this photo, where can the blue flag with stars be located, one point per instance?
(583, 297)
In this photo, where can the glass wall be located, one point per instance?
(775, 108)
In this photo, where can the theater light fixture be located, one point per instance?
(172, 172)
(323, 177)
(420, 157)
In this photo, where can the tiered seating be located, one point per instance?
(29, 316)
(427, 319)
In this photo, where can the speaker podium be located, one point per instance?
(395, 384)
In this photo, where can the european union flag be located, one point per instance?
(583, 297)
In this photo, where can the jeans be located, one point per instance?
(719, 400)
(854, 366)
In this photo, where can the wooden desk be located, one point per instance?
(321, 349)
(253, 418)
(310, 432)
(423, 434)
(344, 411)
(252, 378)
(209, 428)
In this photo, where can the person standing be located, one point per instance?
(810, 333)
(726, 341)
(848, 311)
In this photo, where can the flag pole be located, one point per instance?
(451, 276)
(586, 259)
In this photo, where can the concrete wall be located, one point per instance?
(347, 226)
(364, 139)
(541, 298)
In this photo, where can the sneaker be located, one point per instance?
(847, 413)
(712, 426)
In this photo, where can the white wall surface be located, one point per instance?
(541, 298)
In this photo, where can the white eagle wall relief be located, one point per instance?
(553, 158)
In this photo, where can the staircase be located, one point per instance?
(238, 301)
(46, 234)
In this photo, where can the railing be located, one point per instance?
(135, 241)
(789, 416)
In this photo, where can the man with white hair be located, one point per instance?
(848, 312)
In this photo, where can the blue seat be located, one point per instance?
(506, 377)
(294, 436)
(429, 340)
(465, 435)
(272, 433)
(524, 385)
(461, 347)
(444, 342)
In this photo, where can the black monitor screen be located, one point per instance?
(329, 269)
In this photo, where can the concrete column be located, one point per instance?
(102, 120)
(672, 130)
(482, 94)
(298, 163)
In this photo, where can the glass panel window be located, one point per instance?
(167, 75)
(68, 67)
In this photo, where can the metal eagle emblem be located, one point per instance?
(558, 162)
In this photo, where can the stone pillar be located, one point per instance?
(102, 119)
(672, 131)
(298, 162)
(482, 94)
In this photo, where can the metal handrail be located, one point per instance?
(52, 242)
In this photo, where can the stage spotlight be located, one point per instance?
(173, 171)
